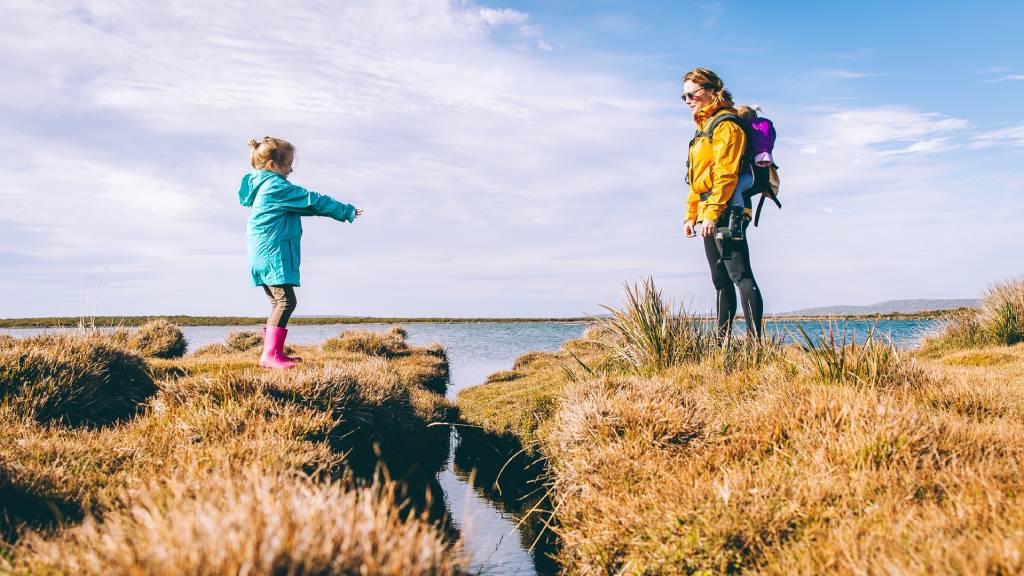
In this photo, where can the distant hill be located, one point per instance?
(887, 307)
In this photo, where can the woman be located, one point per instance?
(718, 174)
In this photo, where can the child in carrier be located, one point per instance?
(762, 144)
(273, 235)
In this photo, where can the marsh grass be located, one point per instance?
(835, 357)
(999, 321)
(830, 456)
(647, 335)
(337, 416)
(388, 344)
(158, 339)
(250, 521)
(242, 340)
(72, 380)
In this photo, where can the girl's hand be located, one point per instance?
(708, 228)
(359, 212)
(688, 229)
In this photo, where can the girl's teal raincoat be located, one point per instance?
(275, 224)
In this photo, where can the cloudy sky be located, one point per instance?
(513, 158)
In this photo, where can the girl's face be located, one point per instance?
(695, 96)
(284, 168)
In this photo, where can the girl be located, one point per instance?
(274, 232)
(717, 182)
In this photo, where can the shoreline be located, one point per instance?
(185, 320)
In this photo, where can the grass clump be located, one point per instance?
(388, 344)
(251, 521)
(836, 357)
(648, 336)
(73, 380)
(242, 340)
(999, 321)
(159, 339)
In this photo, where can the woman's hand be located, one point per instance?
(708, 228)
(359, 212)
(688, 229)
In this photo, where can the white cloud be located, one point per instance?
(1007, 78)
(1012, 137)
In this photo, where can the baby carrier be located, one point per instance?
(757, 159)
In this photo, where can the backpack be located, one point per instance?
(760, 142)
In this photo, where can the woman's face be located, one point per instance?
(695, 96)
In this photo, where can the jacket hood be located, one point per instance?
(251, 183)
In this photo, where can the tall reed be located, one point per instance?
(648, 336)
(999, 321)
(836, 357)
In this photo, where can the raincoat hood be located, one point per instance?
(251, 184)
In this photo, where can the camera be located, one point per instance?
(734, 230)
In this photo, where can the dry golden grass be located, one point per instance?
(888, 463)
(74, 380)
(388, 344)
(242, 340)
(334, 415)
(250, 521)
(999, 321)
(158, 339)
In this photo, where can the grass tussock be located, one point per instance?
(250, 521)
(158, 339)
(999, 321)
(242, 340)
(835, 357)
(647, 335)
(387, 344)
(73, 380)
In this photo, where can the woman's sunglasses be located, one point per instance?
(691, 95)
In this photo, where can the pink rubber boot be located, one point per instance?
(296, 359)
(273, 349)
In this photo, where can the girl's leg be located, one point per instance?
(282, 304)
(726, 300)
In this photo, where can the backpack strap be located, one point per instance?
(710, 132)
(760, 204)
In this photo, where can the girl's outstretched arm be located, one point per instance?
(297, 199)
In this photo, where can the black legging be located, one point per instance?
(736, 270)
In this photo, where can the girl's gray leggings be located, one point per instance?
(282, 304)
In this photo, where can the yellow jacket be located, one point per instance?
(714, 166)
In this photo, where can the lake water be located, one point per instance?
(476, 350)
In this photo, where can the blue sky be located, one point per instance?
(513, 158)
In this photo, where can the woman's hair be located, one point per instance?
(262, 152)
(748, 112)
(710, 81)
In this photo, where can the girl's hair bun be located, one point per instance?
(262, 152)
